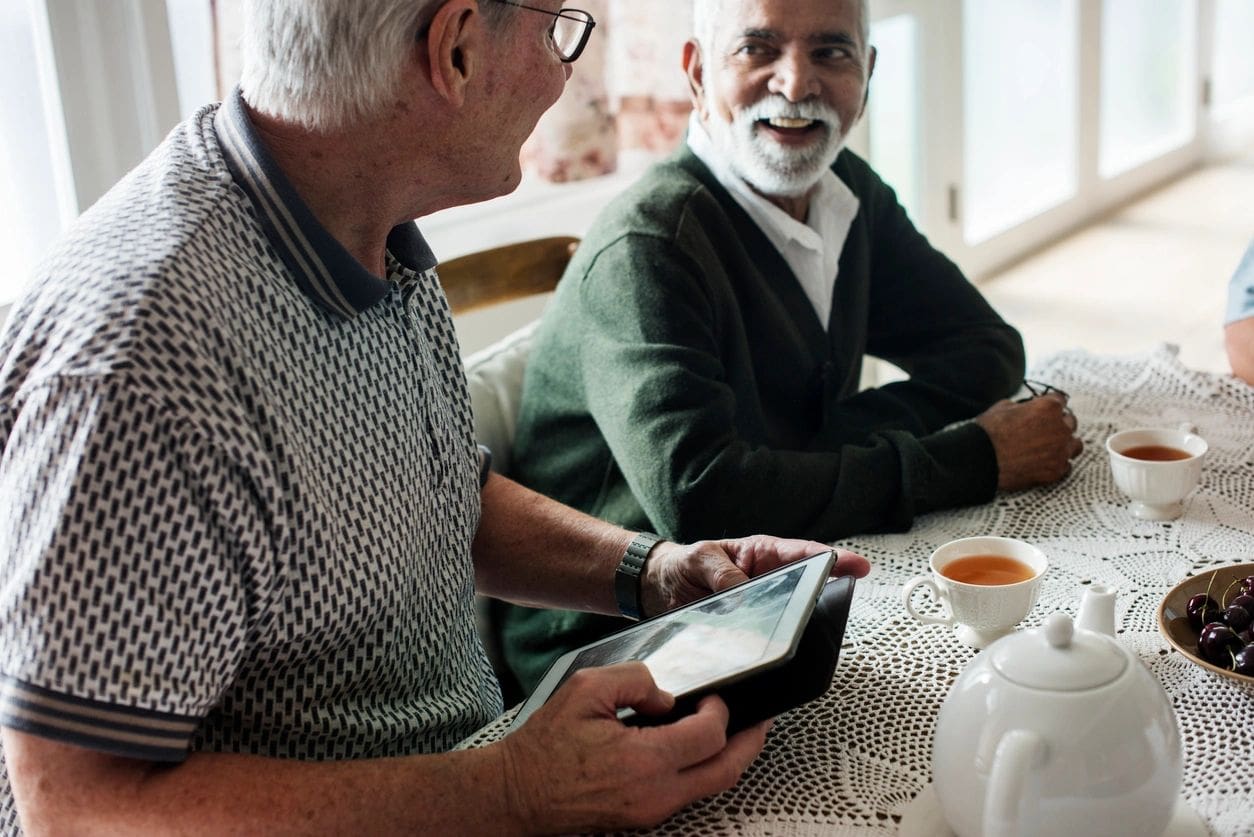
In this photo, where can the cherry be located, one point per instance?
(1201, 609)
(1217, 643)
(1245, 600)
(1236, 617)
(1243, 660)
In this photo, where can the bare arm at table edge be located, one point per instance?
(1239, 341)
(573, 767)
(535, 551)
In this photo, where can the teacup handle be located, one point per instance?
(937, 593)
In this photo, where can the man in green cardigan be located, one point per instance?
(697, 371)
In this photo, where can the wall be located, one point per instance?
(536, 210)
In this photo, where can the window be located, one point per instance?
(1234, 59)
(1148, 71)
(33, 170)
(1019, 94)
(191, 36)
(893, 109)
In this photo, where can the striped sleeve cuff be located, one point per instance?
(119, 730)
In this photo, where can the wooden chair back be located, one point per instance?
(494, 375)
(491, 277)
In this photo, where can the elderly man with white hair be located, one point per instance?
(244, 510)
(697, 372)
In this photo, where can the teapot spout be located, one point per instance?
(1097, 609)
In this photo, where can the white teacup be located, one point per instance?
(1157, 488)
(987, 609)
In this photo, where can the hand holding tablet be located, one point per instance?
(764, 646)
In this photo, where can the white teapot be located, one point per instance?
(1058, 730)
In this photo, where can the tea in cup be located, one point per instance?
(985, 586)
(1156, 468)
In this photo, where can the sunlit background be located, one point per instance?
(1002, 124)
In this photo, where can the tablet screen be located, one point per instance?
(694, 646)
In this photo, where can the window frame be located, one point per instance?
(941, 163)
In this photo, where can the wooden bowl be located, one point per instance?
(1173, 622)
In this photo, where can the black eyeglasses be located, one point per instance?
(570, 32)
(1039, 388)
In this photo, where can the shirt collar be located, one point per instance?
(325, 271)
(829, 194)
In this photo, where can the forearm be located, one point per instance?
(63, 789)
(955, 371)
(881, 484)
(535, 551)
(1239, 340)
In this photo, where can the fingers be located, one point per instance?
(756, 554)
(1072, 423)
(573, 768)
(709, 761)
(760, 553)
(850, 563)
(693, 738)
(1035, 441)
(605, 690)
(717, 774)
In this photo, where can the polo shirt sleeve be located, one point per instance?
(122, 613)
(1241, 290)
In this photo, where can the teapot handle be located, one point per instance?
(1018, 752)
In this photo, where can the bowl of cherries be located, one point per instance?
(1209, 618)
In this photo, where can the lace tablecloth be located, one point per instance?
(849, 762)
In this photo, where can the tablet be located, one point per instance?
(722, 643)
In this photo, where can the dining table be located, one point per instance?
(858, 759)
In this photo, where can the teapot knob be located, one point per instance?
(1059, 629)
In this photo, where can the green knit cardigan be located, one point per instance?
(680, 381)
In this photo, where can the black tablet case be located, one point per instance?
(802, 678)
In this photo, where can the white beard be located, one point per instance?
(767, 166)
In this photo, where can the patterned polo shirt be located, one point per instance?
(239, 479)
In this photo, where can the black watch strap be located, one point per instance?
(630, 570)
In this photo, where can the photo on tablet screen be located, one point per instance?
(689, 648)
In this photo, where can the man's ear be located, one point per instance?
(694, 68)
(455, 42)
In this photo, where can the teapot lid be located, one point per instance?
(1056, 657)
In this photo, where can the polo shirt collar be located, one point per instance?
(325, 271)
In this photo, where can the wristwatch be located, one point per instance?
(630, 570)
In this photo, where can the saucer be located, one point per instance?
(921, 817)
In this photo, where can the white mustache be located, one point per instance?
(776, 107)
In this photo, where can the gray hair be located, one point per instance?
(324, 64)
(705, 13)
